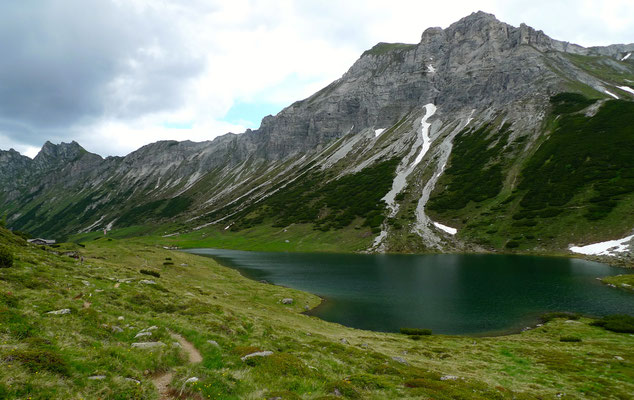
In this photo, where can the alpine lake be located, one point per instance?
(449, 294)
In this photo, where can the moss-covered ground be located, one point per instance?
(88, 354)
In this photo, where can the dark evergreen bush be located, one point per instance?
(6, 257)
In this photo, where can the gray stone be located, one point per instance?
(60, 312)
(97, 377)
(449, 378)
(257, 354)
(141, 334)
(147, 282)
(213, 343)
(400, 360)
(147, 345)
(287, 301)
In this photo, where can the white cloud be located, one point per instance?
(195, 59)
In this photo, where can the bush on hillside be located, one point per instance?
(6, 257)
(415, 331)
(151, 273)
(616, 323)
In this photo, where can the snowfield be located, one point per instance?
(608, 248)
(448, 229)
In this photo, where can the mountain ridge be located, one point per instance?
(479, 73)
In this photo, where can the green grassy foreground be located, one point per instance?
(87, 353)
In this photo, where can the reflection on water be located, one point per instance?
(452, 294)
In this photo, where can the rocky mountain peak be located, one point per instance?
(54, 154)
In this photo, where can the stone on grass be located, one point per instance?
(147, 345)
(448, 378)
(60, 312)
(400, 360)
(133, 380)
(147, 282)
(619, 358)
(192, 380)
(116, 329)
(143, 333)
(213, 343)
(97, 377)
(257, 354)
(287, 301)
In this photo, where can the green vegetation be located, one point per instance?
(475, 169)
(617, 323)
(328, 204)
(415, 331)
(582, 153)
(6, 257)
(151, 273)
(165, 208)
(87, 352)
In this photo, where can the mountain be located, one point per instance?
(481, 137)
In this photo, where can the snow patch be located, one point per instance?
(611, 94)
(608, 248)
(448, 229)
(626, 56)
(430, 110)
(626, 88)
(378, 132)
(431, 69)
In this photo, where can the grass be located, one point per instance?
(45, 356)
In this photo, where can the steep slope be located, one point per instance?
(438, 145)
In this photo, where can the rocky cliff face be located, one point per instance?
(409, 102)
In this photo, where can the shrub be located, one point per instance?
(512, 244)
(570, 339)
(616, 323)
(38, 360)
(415, 331)
(6, 257)
(168, 263)
(151, 273)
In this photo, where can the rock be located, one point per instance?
(306, 307)
(133, 380)
(97, 377)
(120, 318)
(116, 285)
(343, 341)
(400, 360)
(192, 380)
(287, 301)
(116, 329)
(60, 312)
(176, 344)
(147, 345)
(141, 334)
(257, 354)
(619, 358)
(213, 343)
(449, 378)
(572, 321)
(151, 328)
(337, 392)
(147, 282)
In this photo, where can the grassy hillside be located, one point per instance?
(87, 353)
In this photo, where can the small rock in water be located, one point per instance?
(192, 380)
(97, 377)
(213, 343)
(287, 301)
(257, 354)
(400, 360)
(147, 345)
(60, 312)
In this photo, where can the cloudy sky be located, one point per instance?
(117, 74)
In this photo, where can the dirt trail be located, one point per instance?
(163, 380)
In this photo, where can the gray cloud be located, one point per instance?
(68, 62)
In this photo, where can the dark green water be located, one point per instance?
(451, 294)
